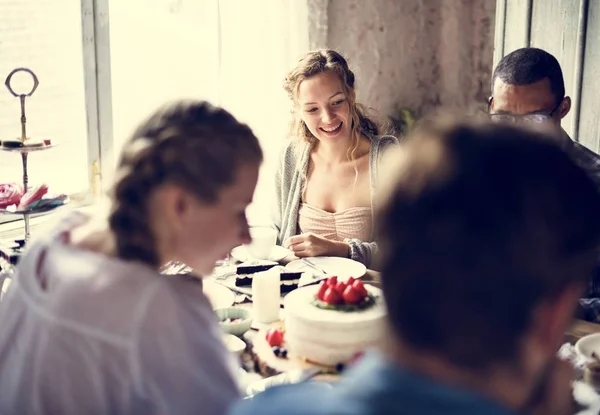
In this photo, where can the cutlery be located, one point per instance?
(313, 266)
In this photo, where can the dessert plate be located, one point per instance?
(277, 253)
(343, 268)
(218, 295)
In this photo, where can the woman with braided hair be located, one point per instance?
(90, 326)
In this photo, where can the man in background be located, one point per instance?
(528, 86)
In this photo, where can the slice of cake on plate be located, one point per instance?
(246, 271)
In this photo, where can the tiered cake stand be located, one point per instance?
(23, 146)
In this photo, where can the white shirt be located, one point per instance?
(83, 333)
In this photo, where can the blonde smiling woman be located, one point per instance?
(327, 176)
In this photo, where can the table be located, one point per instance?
(268, 365)
(580, 329)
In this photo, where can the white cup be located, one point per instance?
(263, 241)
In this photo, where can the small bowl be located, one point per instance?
(588, 344)
(238, 327)
(234, 344)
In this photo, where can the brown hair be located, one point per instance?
(189, 143)
(327, 60)
(479, 224)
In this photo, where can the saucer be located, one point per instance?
(277, 253)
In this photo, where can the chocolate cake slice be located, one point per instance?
(289, 280)
(246, 272)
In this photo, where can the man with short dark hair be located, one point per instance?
(482, 265)
(528, 86)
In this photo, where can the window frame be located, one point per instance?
(95, 25)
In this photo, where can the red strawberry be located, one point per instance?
(332, 281)
(332, 297)
(350, 280)
(340, 287)
(274, 337)
(322, 288)
(352, 296)
(360, 288)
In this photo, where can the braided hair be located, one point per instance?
(189, 143)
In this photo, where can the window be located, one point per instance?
(259, 45)
(104, 65)
(160, 50)
(45, 36)
(232, 53)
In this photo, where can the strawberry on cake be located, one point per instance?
(332, 322)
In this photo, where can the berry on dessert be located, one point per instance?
(352, 296)
(340, 287)
(332, 297)
(358, 286)
(350, 292)
(274, 337)
(332, 281)
(322, 288)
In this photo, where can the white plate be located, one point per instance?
(588, 344)
(277, 253)
(218, 295)
(226, 276)
(343, 268)
(234, 344)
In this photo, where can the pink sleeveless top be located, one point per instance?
(353, 223)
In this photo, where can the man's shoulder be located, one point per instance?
(364, 389)
(301, 399)
(587, 160)
(585, 156)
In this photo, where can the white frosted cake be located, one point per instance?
(329, 336)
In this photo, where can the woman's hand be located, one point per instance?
(309, 245)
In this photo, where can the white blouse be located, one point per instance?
(83, 333)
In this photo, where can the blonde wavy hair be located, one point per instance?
(328, 60)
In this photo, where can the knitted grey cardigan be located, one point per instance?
(289, 182)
